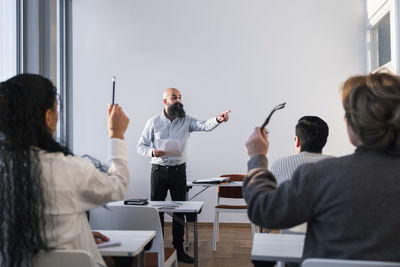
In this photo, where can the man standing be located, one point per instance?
(311, 136)
(169, 172)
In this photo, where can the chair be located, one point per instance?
(228, 192)
(64, 258)
(136, 218)
(349, 263)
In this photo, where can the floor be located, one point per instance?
(233, 249)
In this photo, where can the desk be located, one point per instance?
(277, 247)
(193, 207)
(190, 185)
(132, 243)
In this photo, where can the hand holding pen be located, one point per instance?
(258, 141)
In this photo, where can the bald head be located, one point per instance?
(171, 96)
(171, 91)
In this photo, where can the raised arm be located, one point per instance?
(95, 187)
(210, 124)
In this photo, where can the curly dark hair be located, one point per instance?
(24, 100)
(372, 110)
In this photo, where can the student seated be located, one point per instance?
(350, 203)
(45, 190)
(311, 136)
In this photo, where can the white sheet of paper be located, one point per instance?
(171, 147)
(111, 243)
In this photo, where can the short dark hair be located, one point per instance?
(312, 132)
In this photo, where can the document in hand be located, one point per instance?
(171, 147)
(110, 243)
(214, 180)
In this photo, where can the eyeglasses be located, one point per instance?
(278, 107)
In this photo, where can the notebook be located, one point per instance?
(136, 201)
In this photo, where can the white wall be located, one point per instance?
(247, 56)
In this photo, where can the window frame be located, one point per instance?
(390, 7)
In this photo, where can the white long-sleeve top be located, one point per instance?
(73, 185)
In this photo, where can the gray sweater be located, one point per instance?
(351, 204)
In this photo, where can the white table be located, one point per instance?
(193, 207)
(277, 247)
(190, 185)
(132, 243)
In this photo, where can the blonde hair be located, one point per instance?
(372, 110)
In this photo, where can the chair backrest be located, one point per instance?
(130, 218)
(347, 263)
(231, 192)
(64, 258)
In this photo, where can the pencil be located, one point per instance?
(113, 91)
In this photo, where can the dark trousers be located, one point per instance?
(172, 178)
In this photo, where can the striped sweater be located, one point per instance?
(284, 168)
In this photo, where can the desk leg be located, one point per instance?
(143, 259)
(136, 260)
(196, 243)
(187, 239)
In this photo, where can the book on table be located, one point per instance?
(136, 201)
(214, 180)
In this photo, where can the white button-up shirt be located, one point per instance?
(73, 185)
(160, 127)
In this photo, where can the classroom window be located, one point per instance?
(8, 39)
(381, 48)
(382, 35)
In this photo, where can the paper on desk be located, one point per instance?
(165, 204)
(171, 147)
(214, 180)
(110, 243)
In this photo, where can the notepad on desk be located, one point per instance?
(214, 180)
(136, 201)
(110, 243)
(165, 204)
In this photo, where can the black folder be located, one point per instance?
(136, 201)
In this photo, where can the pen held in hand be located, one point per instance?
(113, 90)
(278, 107)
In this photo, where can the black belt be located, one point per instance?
(177, 167)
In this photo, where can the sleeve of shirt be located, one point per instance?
(199, 125)
(143, 146)
(274, 207)
(100, 188)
